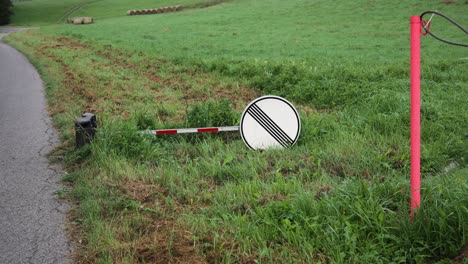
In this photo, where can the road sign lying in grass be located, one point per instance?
(267, 122)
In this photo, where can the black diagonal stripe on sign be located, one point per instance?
(269, 127)
(265, 126)
(272, 124)
(258, 109)
(269, 131)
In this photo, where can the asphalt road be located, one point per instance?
(32, 220)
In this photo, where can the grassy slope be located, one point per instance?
(45, 12)
(311, 30)
(340, 195)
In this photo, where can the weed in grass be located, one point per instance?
(212, 114)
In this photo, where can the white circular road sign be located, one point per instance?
(270, 122)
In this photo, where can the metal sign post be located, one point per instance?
(192, 130)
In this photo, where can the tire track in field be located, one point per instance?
(75, 9)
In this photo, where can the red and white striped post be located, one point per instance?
(415, 83)
(192, 130)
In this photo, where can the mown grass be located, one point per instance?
(46, 12)
(340, 195)
(362, 32)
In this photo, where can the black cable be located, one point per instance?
(451, 21)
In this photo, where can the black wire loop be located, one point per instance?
(451, 21)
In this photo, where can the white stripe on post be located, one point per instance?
(229, 128)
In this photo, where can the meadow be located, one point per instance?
(46, 12)
(339, 196)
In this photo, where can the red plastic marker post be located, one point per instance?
(415, 74)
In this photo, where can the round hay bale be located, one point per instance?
(137, 12)
(78, 21)
(87, 20)
(129, 13)
(166, 9)
(158, 10)
(69, 20)
(154, 11)
(172, 8)
(178, 8)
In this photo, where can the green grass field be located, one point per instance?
(339, 196)
(46, 12)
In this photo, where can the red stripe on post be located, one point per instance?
(415, 83)
(166, 132)
(208, 130)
